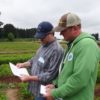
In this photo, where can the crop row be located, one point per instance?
(5, 59)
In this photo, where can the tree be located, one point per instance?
(96, 35)
(1, 23)
(1, 33)
(9, 28)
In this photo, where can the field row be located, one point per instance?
(18, 46)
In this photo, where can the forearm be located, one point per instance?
(34, 78)
(26, 64)
(73, 85)
(26, 78)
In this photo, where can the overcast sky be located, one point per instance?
(29, 13)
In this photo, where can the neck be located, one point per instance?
(52, 38)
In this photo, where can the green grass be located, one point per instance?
(10, 47)
(5, 59)
(23, 92)
(2, 96)
(5, 70)
(18, 52)
(15, 52)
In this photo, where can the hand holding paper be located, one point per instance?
(46, 92)
(43, 89)
(18, 71)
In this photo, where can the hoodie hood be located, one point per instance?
(82, 36)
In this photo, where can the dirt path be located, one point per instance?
(9, 79)
(97, 90)
(12, 94)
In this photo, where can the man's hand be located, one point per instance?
(23, 65)
(51, 86)
(20, 65)
(48, 92)
(26, 78)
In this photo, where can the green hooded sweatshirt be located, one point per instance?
(76, 80)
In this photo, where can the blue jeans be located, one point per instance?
(40, 98)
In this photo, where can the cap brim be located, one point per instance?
(39, 35)
(58, 29)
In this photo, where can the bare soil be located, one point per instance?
(97, 90)
(12, 94)
(9, 79)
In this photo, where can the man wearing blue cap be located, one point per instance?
(45, 64)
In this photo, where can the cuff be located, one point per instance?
(54, 93)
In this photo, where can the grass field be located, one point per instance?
(17, 52)
(18, 47)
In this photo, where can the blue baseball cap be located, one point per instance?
(43, 30)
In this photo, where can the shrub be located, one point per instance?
(2, 96)
(5, 71)
(25, 94)
(11, 37)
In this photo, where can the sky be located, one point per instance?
(29, 13)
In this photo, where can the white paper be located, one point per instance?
(43, 89)
(18, 71)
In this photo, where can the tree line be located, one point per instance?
(10, 30)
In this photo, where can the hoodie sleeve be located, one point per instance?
(85, 63)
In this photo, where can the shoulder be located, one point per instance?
(87, 42)
(57, 46)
